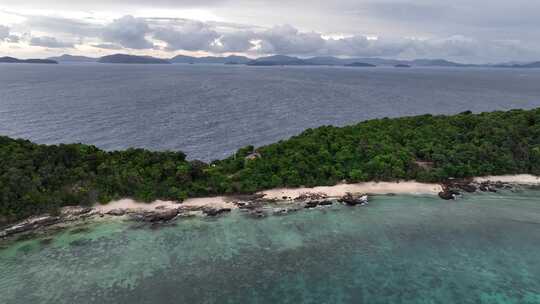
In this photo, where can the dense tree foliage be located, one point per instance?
(40, 178)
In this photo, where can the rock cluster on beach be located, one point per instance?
(261, 207)
(256, 206)
(67, 214)
(352, 200)
(453, 188)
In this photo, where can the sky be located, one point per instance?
(472, 31)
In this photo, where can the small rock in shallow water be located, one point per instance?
(311, 204)
(280, 211)
(157, 216)
(449, 194)
(215, 211)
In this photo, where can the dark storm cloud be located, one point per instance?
(286, 39)
(191, 36)
(129, 32)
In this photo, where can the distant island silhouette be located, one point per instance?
(15, 60)
(274, 60)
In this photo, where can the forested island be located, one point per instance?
(360, 65)
(131, 59)
(36, 178)
(16, 60)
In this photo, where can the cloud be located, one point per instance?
(457, 30)
(49, 42)
(117, 4)
(191, 36)
(79, 28)
(4, 32)
(241, 41)
(13, 39)
(129, 32)
(286, 39)
(107, 46)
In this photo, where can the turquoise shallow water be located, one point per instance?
(484, 248)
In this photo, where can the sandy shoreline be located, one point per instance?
(192, 203)
(285, 198)
(404, 187)
(380, 188)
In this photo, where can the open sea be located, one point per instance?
(484, 248)
(209, 111)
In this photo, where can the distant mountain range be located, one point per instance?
(334, 61)
(276, 60)
(518, 65)
(210, 60)
(360, 65)
(15, 60)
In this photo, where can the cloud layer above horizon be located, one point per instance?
(485, 31)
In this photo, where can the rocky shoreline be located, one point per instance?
(257, 206)
(454, 188)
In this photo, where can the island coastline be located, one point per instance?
(279, 201)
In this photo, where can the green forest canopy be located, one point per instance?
(41, 178)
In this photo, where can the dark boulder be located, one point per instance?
(215, 211)
(499, 185)
(487, 187)
(311, 204)
(468, 188)
(160, 216)
(449, 194)
(460, 184)
(239, 204)
(353, 200)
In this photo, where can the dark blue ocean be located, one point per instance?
(208, 111)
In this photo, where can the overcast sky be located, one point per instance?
(475, 31)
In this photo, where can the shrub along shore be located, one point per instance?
(35, 178)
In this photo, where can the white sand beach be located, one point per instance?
(130, 204)
(404, 187)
